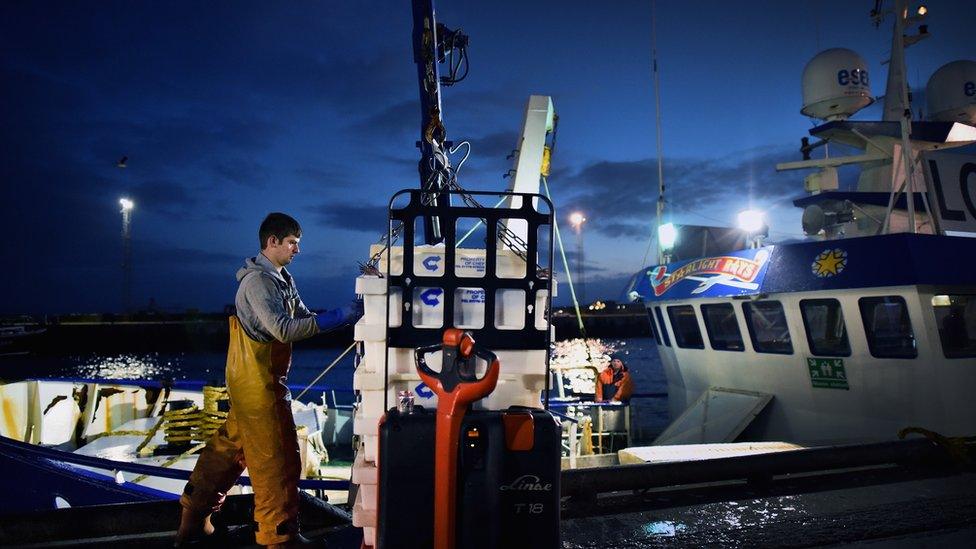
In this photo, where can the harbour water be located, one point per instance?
(649, 414)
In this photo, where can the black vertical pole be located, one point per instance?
(432, 125)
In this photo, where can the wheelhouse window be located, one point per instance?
(956, 317)
(650, 319)
(768, 329)
(685, 325)
(823, 321)
(888, 327)
(722, 327)
(661, 327)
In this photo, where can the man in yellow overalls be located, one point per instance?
(260, 430)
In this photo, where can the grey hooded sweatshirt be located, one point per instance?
(268, 305)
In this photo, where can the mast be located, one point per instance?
(657, 112)
(897, 105)
(431, 44)
(432, 132)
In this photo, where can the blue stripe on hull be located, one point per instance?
(32, 484)
(875, 261)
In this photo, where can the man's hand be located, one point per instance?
(352, 311)
(347, 314)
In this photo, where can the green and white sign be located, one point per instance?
(828, 373)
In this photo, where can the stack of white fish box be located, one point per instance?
(523, 372)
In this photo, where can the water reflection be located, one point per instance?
(758, 512)
(664, 528)
(128, 366)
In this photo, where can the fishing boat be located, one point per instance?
(79, 442)
(865, 329)
(17, 339)
(416, 291)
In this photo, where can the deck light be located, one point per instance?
(667, 235)
(751, 221)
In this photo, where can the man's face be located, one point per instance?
(281, 252)
(617, 364)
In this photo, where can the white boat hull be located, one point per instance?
(884, 396)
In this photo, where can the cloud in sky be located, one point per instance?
(494, 147)
(397, 119)
(313, 109)
(620, 197)
(353, 217)
(162, 196)
(316, 174)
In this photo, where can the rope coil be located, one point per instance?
(185, 423)
(962, 450)
(212, 416)
(178, 425)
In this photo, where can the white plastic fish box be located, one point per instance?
(469, 300)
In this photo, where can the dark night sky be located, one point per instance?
(230, 110)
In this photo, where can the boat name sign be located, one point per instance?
(741, 272)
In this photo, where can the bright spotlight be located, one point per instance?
(576, 219)
(667, 235)
(751, 221)
(126, 204)
(922, 10)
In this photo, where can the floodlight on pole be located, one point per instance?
(576, 219)
(126, 211)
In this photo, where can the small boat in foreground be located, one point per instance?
(71, 442)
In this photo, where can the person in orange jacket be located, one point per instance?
(614, 384)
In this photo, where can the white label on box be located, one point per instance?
(472, 296)
(468, 263)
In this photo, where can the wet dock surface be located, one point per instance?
(886, 507)
(860, 508)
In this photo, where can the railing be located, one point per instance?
(197, 385)
(571, 440)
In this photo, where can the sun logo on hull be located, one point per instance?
(829, 263)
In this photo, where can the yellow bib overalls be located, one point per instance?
(259, 434)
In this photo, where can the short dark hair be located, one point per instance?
(278, 225)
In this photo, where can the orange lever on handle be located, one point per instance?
(454, 394)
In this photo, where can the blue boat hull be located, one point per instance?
(34, 483)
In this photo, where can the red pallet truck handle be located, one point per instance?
(456, 387)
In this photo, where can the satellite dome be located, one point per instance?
(835, 85)
(951, 93)
(814, 219)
